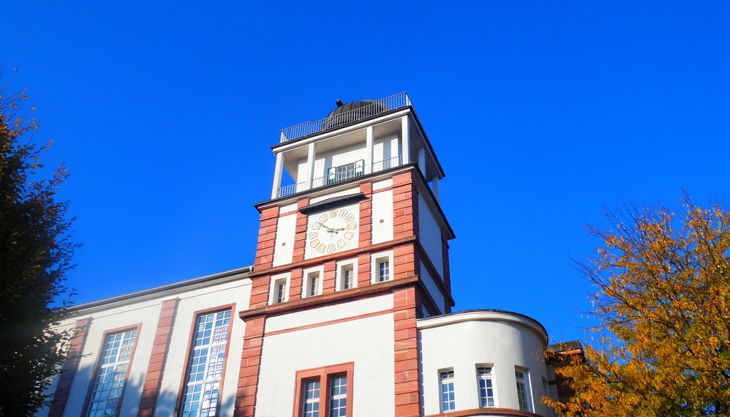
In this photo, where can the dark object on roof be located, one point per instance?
(352, 112)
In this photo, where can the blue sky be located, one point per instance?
(543, 114)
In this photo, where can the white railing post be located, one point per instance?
(277, 175)
(311, 157)
(405, 141)
(369, 150)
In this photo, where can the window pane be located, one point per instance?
(106, 397)
(207, 360)
(383, 270)
(486, 389)
(311, 399)
(338, 396)
(448, 400)
(523, 390)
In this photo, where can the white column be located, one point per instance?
(422, 161)
(311, 157)
(369, 150)
(435, 188)
(405, 141)
(277, 175)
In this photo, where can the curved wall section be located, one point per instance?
(462, 342)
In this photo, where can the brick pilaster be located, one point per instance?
(296, 284)
(328, 281)
(70, 367)
(363, 270)
(267, 237)
(366, 215)
(407, 387)
(300, 233)
(404, 206)
(156, 365)
(248, 374)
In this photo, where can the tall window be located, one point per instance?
(346, 274)
(523, 389)
(207, 360)
(383, 269)
(486, 387)
(448, 401)
(311, 399)
(111, 377)
(325, 392)
(338, 396)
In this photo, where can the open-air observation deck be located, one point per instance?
(356, 139)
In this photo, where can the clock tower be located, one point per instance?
(352, 249)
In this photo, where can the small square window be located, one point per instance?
(382, 267)
(279, 289)
(346, 275)
(312, 282)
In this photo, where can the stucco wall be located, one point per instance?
(465, 340)
(430, 235)
(382, 216)
(368, 342)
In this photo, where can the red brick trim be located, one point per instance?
(267, 237)
(330, 322)
(248, 374)
(137, 328)
(188, 355)
(324, 374)
(70, 367)
(156, 365)
(491, 411)
(407, 387)
(339, 256)
(366, 215)
(300, 232)
(324, 300)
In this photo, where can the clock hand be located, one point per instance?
(329, 229)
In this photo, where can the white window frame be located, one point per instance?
(272, 288)
(441, 384)
(375, 260)
(339, 282)
(528, 389)
(306, 284)
(494, 384)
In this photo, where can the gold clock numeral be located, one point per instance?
(314, 243)
(333, 213)
(321, 248)
(351, 226)
(316, 226)
(349, 235)
(349, 218)
(313, 235)
(343, 213)
(331, 248)
(341, 243)
(323, 218)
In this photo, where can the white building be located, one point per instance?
(345, 312)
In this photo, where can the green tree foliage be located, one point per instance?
(35, 255)
(664, 304)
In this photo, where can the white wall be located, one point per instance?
(382, 216)
(324, 161)
(463, 340)
(284, 244)
(368, 342)
(385, 148)
(430, 235)
(147, 313)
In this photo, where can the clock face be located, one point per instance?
(332, 231)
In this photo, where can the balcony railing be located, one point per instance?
(340, 173)
(382, 105)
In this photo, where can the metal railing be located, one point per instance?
(340, 174)
(382, 105)
(386, 164)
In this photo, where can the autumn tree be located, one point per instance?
(35, 255)
(663, 303)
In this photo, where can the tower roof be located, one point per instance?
(355, 110)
